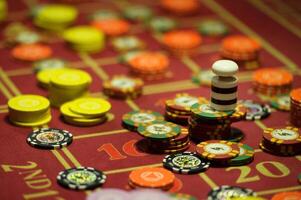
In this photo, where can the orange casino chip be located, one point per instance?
(272, 76)
(152, 177)
(296, 95)
(181, 7)
(112, 27)
(182, 39)
(287, 196)
(31, 52)
(149, 62)
(240, 44)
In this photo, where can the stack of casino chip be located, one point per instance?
(224, 85)
(29, 110)
(240, 48)
(272, 81)
(281, 141)
(85, 39)
(232, 192)
(55, 17)
(133, 119)
(181, 42)
(177, 109)
(149, 65)
(162, 137)
(68, 84)
(206, 123)
(151, 177)
(85, 111)
(123, 87)
(295, 111)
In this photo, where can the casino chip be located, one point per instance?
(133, 119)
(226, 192)
(104, 14)
(127, 43)
(203, 77)
(112, 26)
(205, 111)
(49, 138)
(159, 130)
(281, 102)
(50, 63)
(219, 152)
(212, 27)
(185, 163)
(31, 52)
(137, 13)
(255, 110)
(123, 87)
(299, 178)
(162, 24)
(248, 198)
(81, 178)
(287, 196)
(151, 177)
(109, 194)
(246, 155)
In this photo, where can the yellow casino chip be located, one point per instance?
(58, 13)
(28, 103)
(90, 106)
(70, 78)
(44, 76)
(83, 35)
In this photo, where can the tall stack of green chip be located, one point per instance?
(55, 17)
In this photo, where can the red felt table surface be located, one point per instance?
(29, 173)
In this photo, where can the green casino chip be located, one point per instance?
(282, 103)
(185, 163)
(212, 27)
(137, 12)
(226, 192)
(299, 178)
(203, 77)
(159, 130)
(126, 57)
(104, 14)
(206, 112)
(182, 196)
(49, 138)
(81, 178)
(246, 155)
(51, 63)
(127, 43)
(27, 37)
(135, 118)
(162, 24)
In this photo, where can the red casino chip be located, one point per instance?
(31, 52)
